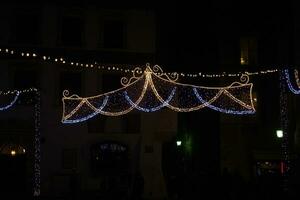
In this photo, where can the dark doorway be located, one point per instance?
(110, 163)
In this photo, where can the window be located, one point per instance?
(26, 29)
(108, 156)
(69, 158)
(114, 34)
(71, 81)
(248, 46)
(72, 31)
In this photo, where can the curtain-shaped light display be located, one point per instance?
(152, 90)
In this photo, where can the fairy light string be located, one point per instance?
(284, 126)
(13, 96)
(295, 89)
(37, 145)
(153, 90)
(77, 64)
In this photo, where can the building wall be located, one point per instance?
(139, 38)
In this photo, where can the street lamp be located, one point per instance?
(178, 142)
(279, 133)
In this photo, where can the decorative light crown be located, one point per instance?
(152, 90)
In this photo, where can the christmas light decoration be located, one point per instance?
(289, 81)
(37, 145)
(152, 90)
(297, 78)
(37, 148)
(10, 104)
(284, 125)
(126, 68)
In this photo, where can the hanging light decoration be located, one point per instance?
(152, 89)
(8, 99)
(295, 89)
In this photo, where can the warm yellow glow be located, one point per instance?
(128, 69)
(158, 73)
(13, 152)
(242, 61)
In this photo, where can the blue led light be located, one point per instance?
(289, 83)
(241, 112)
(150, 109)
(89, 116)
(11, 103)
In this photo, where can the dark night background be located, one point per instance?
(235, 157)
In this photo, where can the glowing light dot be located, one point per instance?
(13, 152)
(279, 133)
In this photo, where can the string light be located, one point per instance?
(37, 146)
(153, 109)
(37, 151)
(153, 90)
(228, 111)
(12, 96)
(129, 69)
(297, 78)
(289, 82)
(284, 127)
(17, 93)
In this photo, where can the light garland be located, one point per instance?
(289, 82)
(37, 148)
(297, 77)
(153, 90)
(12, 97)
(125, 69)
(10, 104)
(284, 127)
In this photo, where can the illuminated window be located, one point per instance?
(248, 47)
